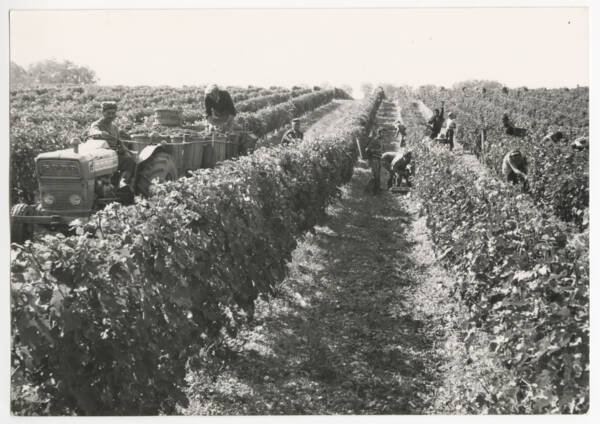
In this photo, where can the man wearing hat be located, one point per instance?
(219, 107)
(293, 134)
(446, 135)
(448, 131)
(105, 129)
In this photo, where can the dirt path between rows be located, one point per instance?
(311, 122)
(359, 326)
(344, 108)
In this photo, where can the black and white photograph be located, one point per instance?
(298, 210)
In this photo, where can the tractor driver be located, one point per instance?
(105, 129)
(219, 107)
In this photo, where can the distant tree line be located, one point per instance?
(50, 71)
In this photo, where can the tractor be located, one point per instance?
(78, 181)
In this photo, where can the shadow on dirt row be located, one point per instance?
(340, 338)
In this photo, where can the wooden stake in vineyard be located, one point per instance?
(483, 137)
(359, 149)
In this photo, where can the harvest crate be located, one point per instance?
(194, 154)
(220, 148)
(231, 150)
(208, 156)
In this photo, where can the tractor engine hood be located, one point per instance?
(95, 159)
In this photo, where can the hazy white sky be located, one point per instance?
(516, 46)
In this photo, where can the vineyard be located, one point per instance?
(277, 283)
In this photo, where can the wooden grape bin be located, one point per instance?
(232, 148)
(216, 150)
(194, 152)
(189, 152)
(178, 151)
(208, 156)
(220, 148)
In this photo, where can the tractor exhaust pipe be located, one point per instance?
(75, 143)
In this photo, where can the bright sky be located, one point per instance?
(516, 46)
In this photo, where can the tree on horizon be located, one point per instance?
(51, 71)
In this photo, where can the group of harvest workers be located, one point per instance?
(400, 166)
(219, 114)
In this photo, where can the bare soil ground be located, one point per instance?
(329, 120)
(359, 326)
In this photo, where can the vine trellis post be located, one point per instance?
(483, 137)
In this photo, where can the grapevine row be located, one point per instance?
(523, 276)
(256, 103)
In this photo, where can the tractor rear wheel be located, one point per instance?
(21, 231)
(159, 168)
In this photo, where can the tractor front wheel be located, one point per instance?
(160, 167)
(21, 231)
